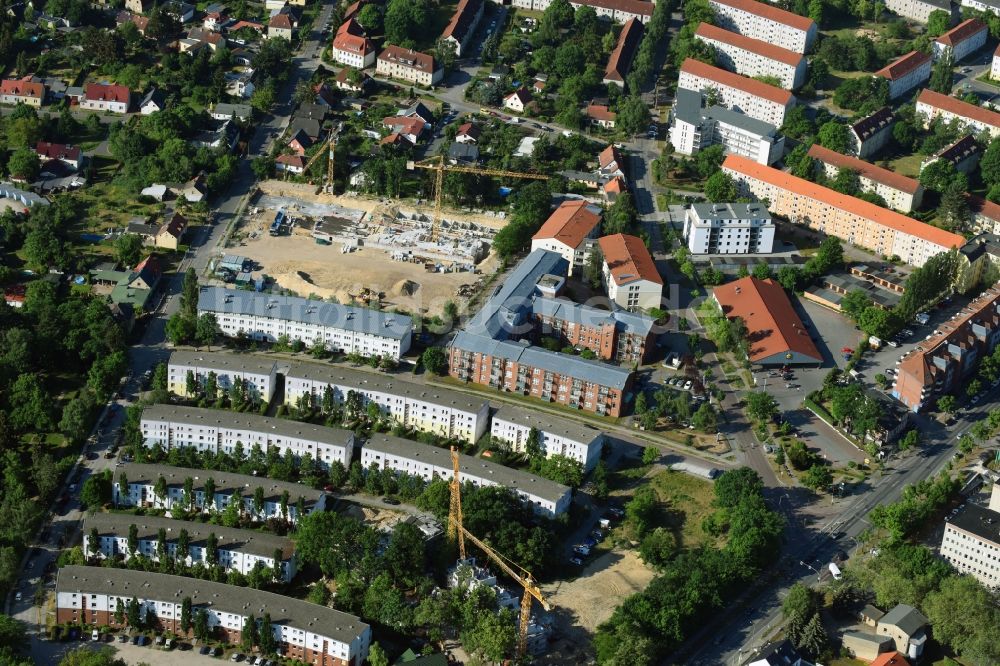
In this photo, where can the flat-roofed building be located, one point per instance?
(342, 328)
(556, 436)
(854, 220)
(872, 133)
(965, 38)
(235, 549)
(304, 631)
(906, 73)
(971, 541)
(902, 193)
(753, 57)
(693, 127)
(220, 431)
(547, 498)
(920, 10)
(932, 105)
(767, 23)
(729, 228)
(429, 409)
(280, 497)
(740, 93)
(629, 273)
(258, 374)
(570, 231)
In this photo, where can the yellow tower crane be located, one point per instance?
(457, 530)
(331, 144)
(437, 165)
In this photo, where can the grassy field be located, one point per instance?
(685, 502)
(908, 166)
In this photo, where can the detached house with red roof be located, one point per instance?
(20, 91)
(778, 336)
(468, 133)
(753, 57)
(906, 73)
(629, 273)
(283, 22)
(610, 162)
(601, 115)
(291, 163)
(463, 24)
(104, 97)
(68, 155)
(965, 38)
(351, 47)
(170, 233)
(518, 100)
(568, 231)
(410, 128)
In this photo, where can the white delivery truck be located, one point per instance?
(835, 571)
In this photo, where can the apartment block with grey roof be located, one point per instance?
(257, 373)
(557, 436)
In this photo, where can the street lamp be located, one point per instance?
(811, 569)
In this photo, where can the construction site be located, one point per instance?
(366, 250)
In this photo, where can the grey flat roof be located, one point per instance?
(223, 418)
(287, 611)
(688, 107)
(530, 418)
(565, 310)
(510, 303)
(225, 482)
(247, 541)
(977, 520)
(730, 211)
(222, 361)
(476, 467)
(603, 374)
(293, 308)
(386, 383)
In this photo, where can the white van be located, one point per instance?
(835, 571)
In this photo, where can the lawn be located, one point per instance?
(685, 501)
(907, 166)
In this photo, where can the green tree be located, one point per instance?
(249, 637)
(186, 614)
(943, 73)
(650, 455)
(817, 477)
(947, 403)
(377, 656)
(267, 643)
(761, 406)
(633, 115)
(834, 135)
(720, 187)
(206, 329)
(180, 328)
(435, 360)
(24, 165)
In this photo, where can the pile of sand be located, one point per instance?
(405, 288)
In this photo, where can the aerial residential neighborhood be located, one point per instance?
(555, 332)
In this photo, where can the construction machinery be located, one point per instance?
(456, 530)
(331, 145)
(437, 165)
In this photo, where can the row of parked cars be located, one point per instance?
(597, 535)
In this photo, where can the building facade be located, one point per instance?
(619, 11)
(932, 105)
(920, 10)
(965, 38)
(408, 65)
(629, 273)
(619, 335)
(620, 61)
(753, 57)
(463, 24)
(871, 134)
(302, 630)
(351, 47)
(740, 93)
(906, 73)
(995, 65)
(569, 232)
(724, 228)
(767, 23)
(440, 411)
(556, 436)
(110, 98)
(258, 375)
(901, 193)
(854, 220)
(694, 128)
(19, 91)
(971, 541)
(338, 327)
(547, 498)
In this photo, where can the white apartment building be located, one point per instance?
(900, 193)
(694, 128)
(303, 631)
(280, 497)
(765, 22)
(931, 105)
(740, 93)
(218, 431)
(753, 57)
(353, 50)
(906, 73)
(995, 65)
(629, 274)
(854, 220)
(870, 134)
(428, 409)
(724, 228)
(919, 10)
(990, 6)
(569, 232)
(965, 38)
(259, 375)
(971, 541)
(619, 11)
(408, 65)
(235, 549)
(556, 436)
(547, 498)
(342, 328)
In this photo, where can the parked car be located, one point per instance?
(892, 343)
(123, 639)
(237, 656)
(391, 501)
(205, 650)
(576, 560)
(95, 635)
(18, 596)
(687, 385)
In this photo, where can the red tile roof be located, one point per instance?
(984, 207)
(345, 41)
(771, 12)
(468, 129)
(522, 94)
(99, 92)
(867, 169)
(771, 322)
(404, 124)
(903, 65)
(637, 7)
(621, 58)
(961, 32)
(175, 226)
(569, 224)
(291, 160)
(958, 107)
(352, 27)
(463, 19)
(890, 659)
(57, 151)
(600, 112)
(884, 216)
(757, 46)
(744, 83)
(615, 186)
(628, 259)
(281, 21)
(609, 156)
(21, 88)
(408, 57)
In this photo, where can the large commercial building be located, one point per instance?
(619, 11)
(931, 105)
(740, 93)
(723, 228)
(767, 23)
(235, 549)
(965, 38)
(341, 328)
(408, 65)
(429, 409)
(219, 431)
(280, 497)
(629, 273)
(258, 374)
(872, 133)
(906, 73)
(753, 57)
(920, 10)
(854, 220)
(777, 335)
(547, 498)
(694, 128)
(901, 193)
(570, 231)
(302, 630)
(971, 541)
(942, 363)
(556, 436)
